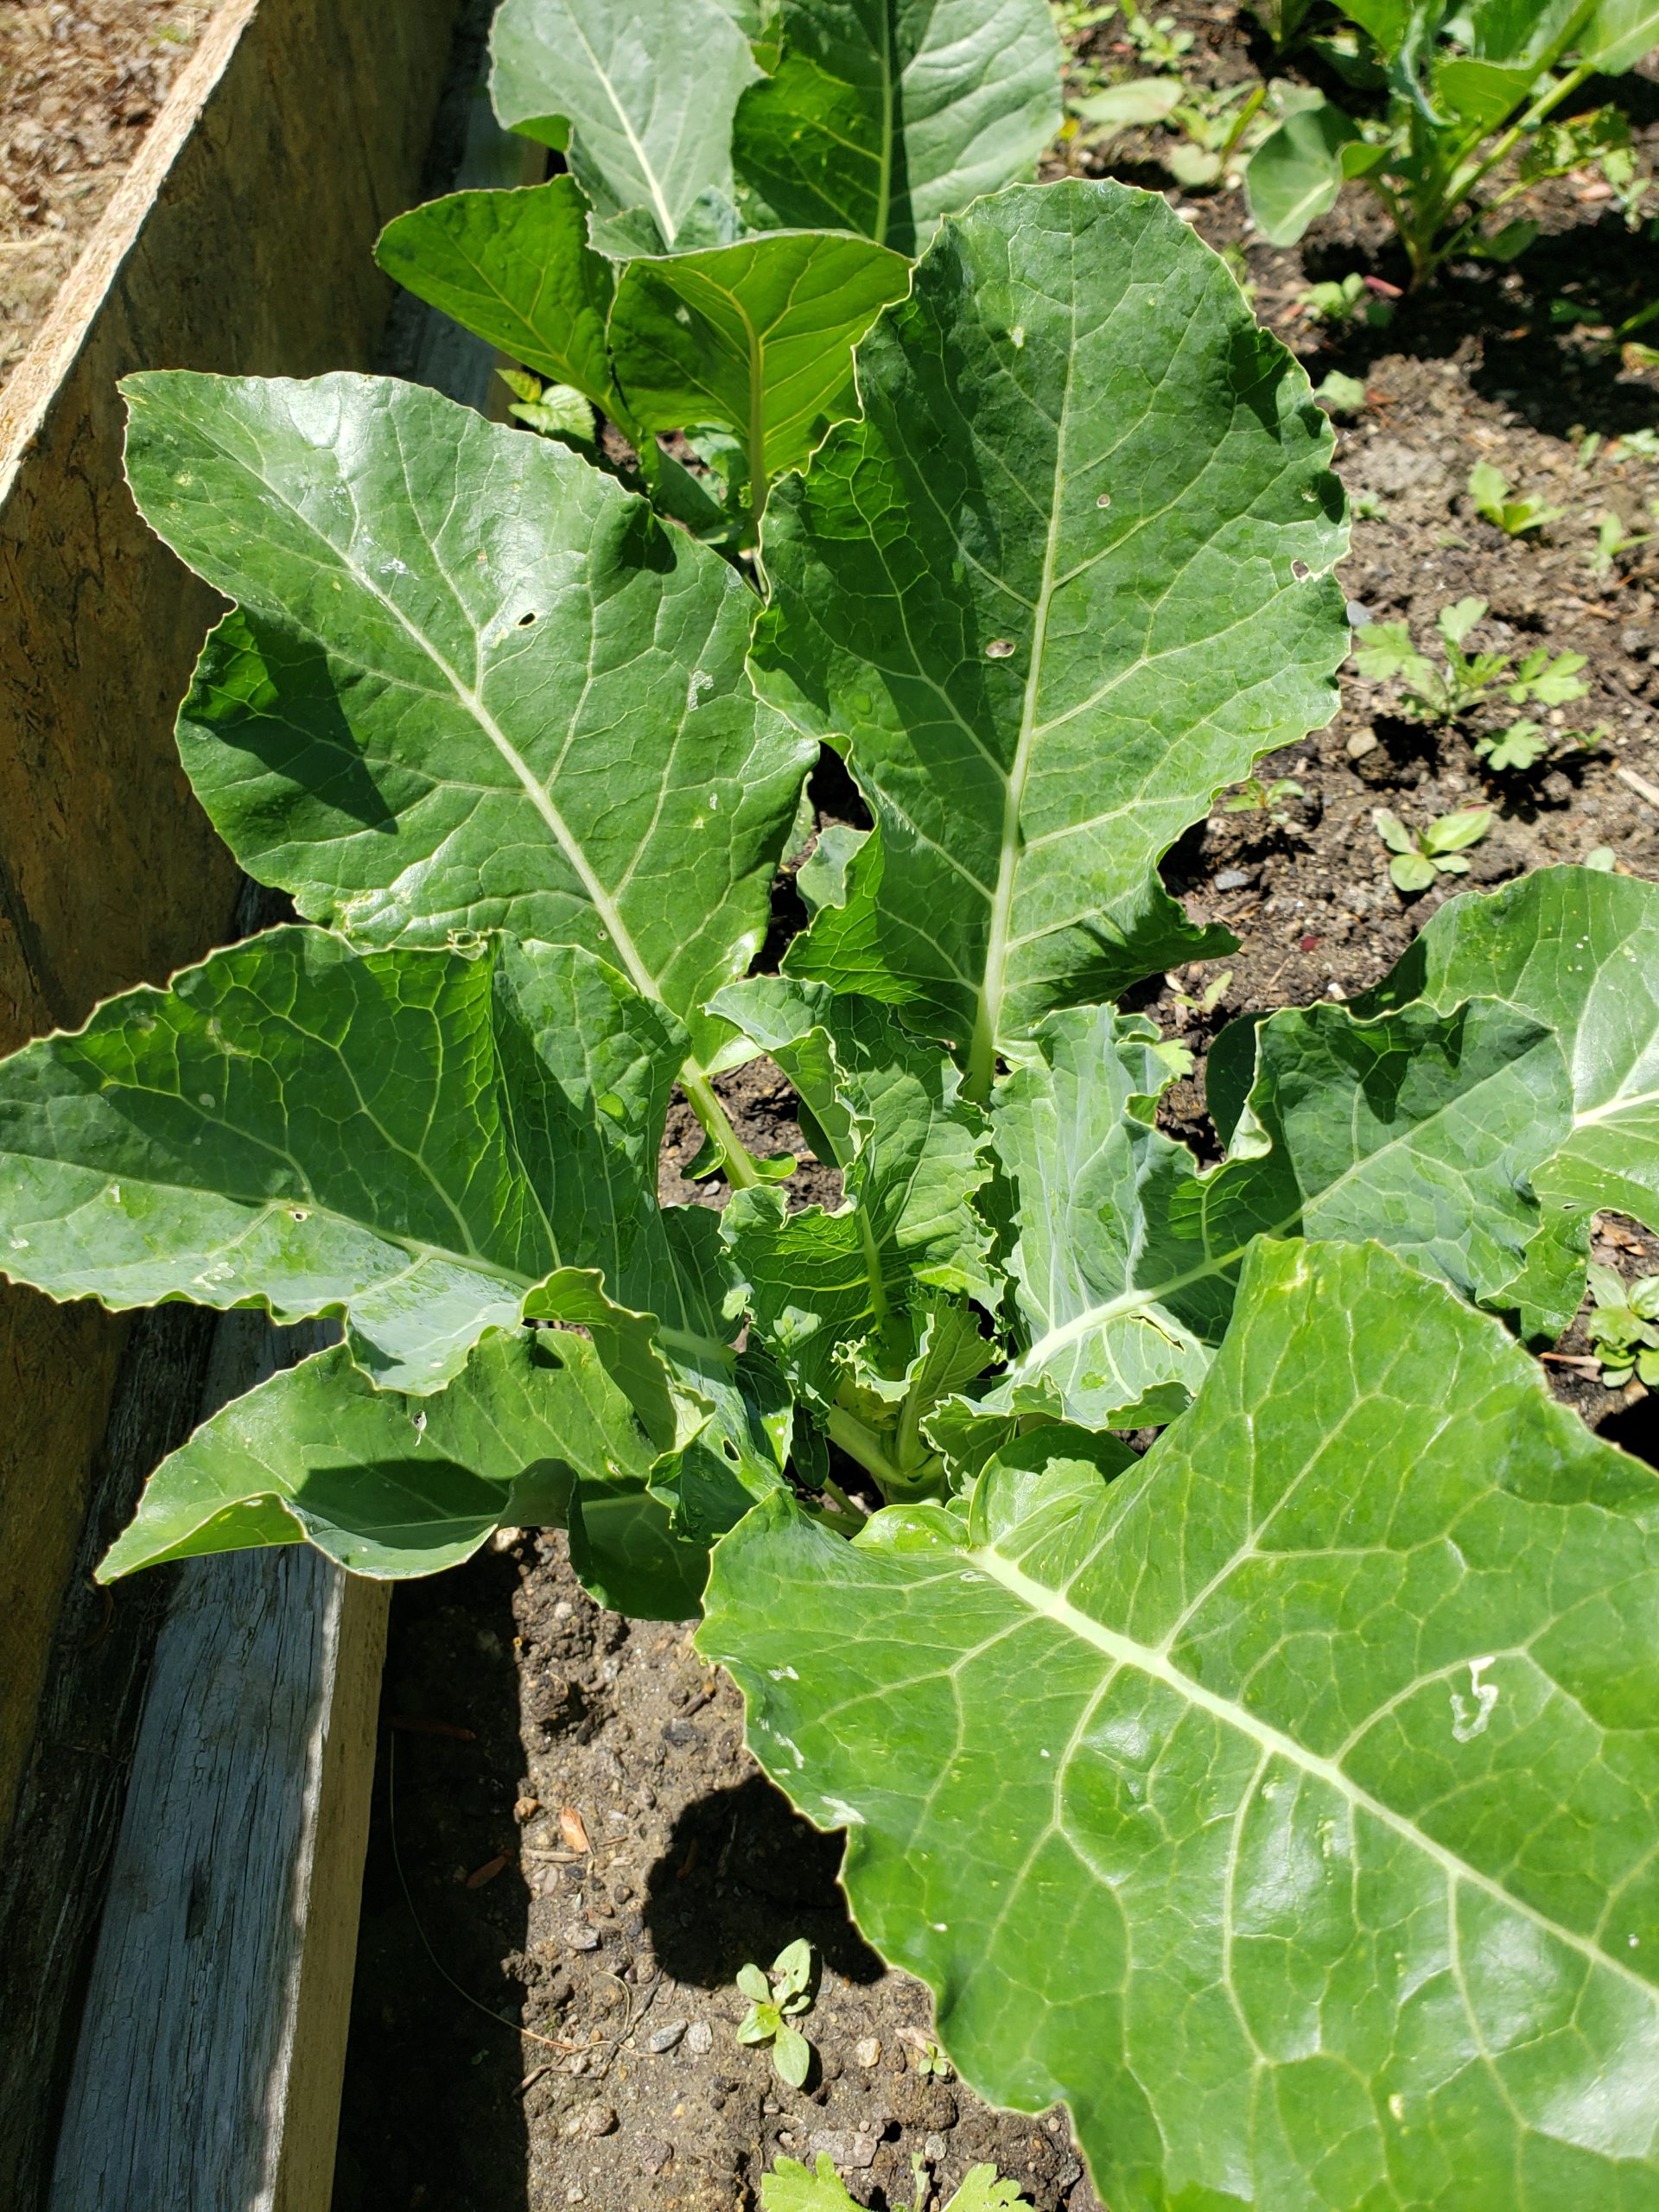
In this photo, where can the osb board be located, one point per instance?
(239, 240)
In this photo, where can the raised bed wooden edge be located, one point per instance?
(238, 241)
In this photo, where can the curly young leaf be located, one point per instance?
(886, 114)
(1000, 594)
(419, 1141)
(471, 683)
(640, 99)
(1327, 1735)
(387, 1484)
(516, 268)
(757, 336)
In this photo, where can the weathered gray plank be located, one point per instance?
(213, 2042)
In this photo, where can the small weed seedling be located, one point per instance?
(776, 2000)
(1489, 488)
(1613, 541)
(791, 2188)
(1353, 299)
(1624, 1326)
(1340, 394)
(1207, 1000)
(1253, 797)
(1421, 855)
(1444, 692)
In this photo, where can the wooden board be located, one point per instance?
(239, 240)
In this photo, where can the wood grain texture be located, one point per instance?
(239, 240)
(214, 2033)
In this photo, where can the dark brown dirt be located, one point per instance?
(697, 1864)
(80, 81)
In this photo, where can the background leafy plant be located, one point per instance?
(1467, 93)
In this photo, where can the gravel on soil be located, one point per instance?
(628, 2089)
(80, 82)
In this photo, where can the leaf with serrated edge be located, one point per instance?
(641, 98)
(1288, 1806)
(1418, 1129)
(388, 1484)
(471, 684)
(886, 114)
(516, 268)
(416, 1141)
(1037, 693)
(1578, 950)
(757, 336)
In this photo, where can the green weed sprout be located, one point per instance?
(1445, 691)
(1624, 1326)
(1421, 855)
(1253, 797)
(790, 2187)
(1489, 488)
(775, 1999)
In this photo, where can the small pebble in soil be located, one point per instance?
(1233, 878)
(654, 2153)
(868, 2051)
(666, 2037)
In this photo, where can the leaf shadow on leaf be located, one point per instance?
(740, 1875)
(249, 684)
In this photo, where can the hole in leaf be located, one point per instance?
(1300, 570)
(1104, 500)
(999, 649)
(525, 622)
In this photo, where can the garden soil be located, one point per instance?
(572, 1853)
(80, 82)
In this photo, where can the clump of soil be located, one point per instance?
(80, 81)
(622, 1956)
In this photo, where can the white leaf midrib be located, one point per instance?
(1273, 1742)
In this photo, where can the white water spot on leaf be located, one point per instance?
(843, 1814)
(783, 1674)
(701, 681)
(394, 567)
(940, 1927)
(1042, 1755)
(1397, 2105)
(203, 1097)
(790, 1747)
(20, 1243)
(1468, 1720)
(1017, 335)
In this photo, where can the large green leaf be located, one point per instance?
(1069, 576)
(1619, 33)
(1417, 1127)
(886, 114)
(1288, 1806)
(516, 268)
(421, 1142)
(1577, 951)
(640, 99)
(471, 683)
(385, 1484)
(822, 1283)
(757, 337)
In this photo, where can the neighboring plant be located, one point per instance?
(1282, 1795)
(1208, 998)
(776, 1999)
(1449, 690)
(1613, 541)
(1624, 1326)
(1469, 123)
(1340, 394)
(1253, 797)
(789, 2188)
(1353, 299)
(1419, 855)
(1489, 488)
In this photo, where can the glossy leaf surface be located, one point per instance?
(886, 114)
(640, 98)
(999, 594)
(1286, 1805)
(471, 683)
